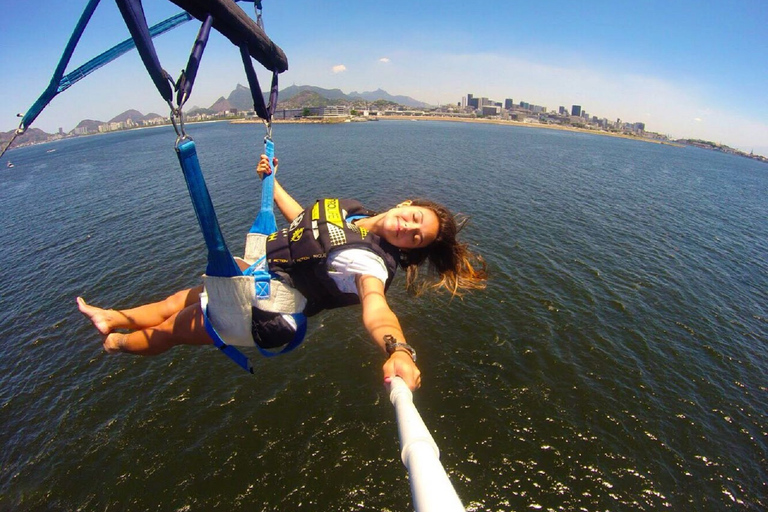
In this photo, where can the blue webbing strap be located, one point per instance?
(238, 357)
(265, 222)
(220, 260)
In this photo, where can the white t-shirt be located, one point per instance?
(345, 264)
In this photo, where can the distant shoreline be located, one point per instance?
(469, 120)
(533, 125)
(341, 120)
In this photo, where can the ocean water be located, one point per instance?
(616, 361)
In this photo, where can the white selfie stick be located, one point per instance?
(430, 487)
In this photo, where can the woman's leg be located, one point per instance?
(185, 327)
(142, 317)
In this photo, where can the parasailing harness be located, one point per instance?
(229, 293)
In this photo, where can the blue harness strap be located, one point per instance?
(265, 222)
(220, 260)
(231, 352)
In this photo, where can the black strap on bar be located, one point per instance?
(263, 111)
(133, 14)
(187, 78)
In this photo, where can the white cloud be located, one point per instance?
(339, 68)
(384, 59)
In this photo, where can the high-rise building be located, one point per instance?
(508, 103)
(576, 110)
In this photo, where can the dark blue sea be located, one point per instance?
(618, 359)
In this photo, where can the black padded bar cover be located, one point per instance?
(238, 27)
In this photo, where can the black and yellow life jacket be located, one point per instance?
(299, 253)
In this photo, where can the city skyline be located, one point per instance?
(685, 70)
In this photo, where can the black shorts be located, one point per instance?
(270, 330)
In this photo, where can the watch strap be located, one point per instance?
(392, 345)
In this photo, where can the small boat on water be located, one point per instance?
(9, 165)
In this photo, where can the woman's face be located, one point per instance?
(410, 227)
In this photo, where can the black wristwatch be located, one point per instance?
(391, 345)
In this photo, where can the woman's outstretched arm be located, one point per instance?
(379, 320)
(287, 205)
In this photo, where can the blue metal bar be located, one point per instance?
(119, 49)
(53, 86)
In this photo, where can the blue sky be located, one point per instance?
(685, 68)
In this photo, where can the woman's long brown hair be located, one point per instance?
(457, 268)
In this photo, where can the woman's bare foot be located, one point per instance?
(113, 343)
(102, 319)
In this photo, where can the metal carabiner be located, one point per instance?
(177, 114)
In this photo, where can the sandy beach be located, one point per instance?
(529, 125)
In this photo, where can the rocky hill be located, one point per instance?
(240, 98)
(380, 94)
(31, 136)
(337, 96)
(89, 125)
(306, 99)
(135, 116)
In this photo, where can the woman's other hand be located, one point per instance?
(263, 168)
